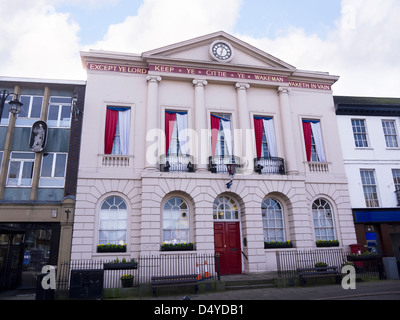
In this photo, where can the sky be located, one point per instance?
(357, 40)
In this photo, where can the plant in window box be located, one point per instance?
(177, 246)
(111, 247)
(327, 243)
(321, 265)
(363, 256)
(127, 280)
(120, 264)
(278, 244)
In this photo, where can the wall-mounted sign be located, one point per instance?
(38, 138)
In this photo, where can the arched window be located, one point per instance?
(113, 221)
(323, 220)
(225, 208)
(176, 221)
(273, 224)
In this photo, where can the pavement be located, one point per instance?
(372, 290)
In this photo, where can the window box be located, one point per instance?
(120, 265)
(111, 248)
(327, 243)
(177, 246)
(278, 245)
(362, 257)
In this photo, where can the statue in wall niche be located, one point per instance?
(38, 136)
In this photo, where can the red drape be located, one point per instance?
(111, 127)
(169, 128)
(214, 133)
(307, 139)
(258, 128)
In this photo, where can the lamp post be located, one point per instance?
(15, 105)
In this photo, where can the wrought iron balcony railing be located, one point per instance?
(218, 164)
(176, 163)
(269, 165)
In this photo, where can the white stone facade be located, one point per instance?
(184, 77)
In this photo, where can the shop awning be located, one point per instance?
(378, 215)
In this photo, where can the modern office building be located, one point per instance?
(39, 155)
(163, 133)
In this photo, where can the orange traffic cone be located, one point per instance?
(206, 273)
(198, 272)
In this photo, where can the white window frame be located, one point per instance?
(28, 120)
(60, 106)
(229, 205)
(323, 220)
(369, 200)
(53, 169)
(390, 134)
(22, 161)
(186, 218)
(120, 223)
(364, 121)
(267, 220)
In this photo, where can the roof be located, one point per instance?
(368, 106)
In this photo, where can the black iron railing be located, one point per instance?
(203, 265)
(176, 163)
(218, 164)
(269, 165)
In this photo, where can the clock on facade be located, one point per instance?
(221, 51)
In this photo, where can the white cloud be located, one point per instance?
(362, 49)
(38, 42)
(161, 22)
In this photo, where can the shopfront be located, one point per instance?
(24, 249)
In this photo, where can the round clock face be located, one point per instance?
(221, 51)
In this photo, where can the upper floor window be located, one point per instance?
(176, 124)
(113, 221)
(389, 130)
(59, 114)
(117, 130)
(313, 141)
(20, 169)
(6, 111)
(265, 137)
(323, 220)
(53, 170)
(31, 110)
(359, 133)
(221, 135)
(396, 178)
(369, 188)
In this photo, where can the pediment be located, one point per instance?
(197, 50)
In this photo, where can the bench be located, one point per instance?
(173, 281)
(319, 272)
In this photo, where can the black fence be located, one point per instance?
(203, 265)
(289, 261)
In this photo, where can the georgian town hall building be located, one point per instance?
(210, 141)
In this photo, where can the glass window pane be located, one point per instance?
(26, 100)
(47, 164)
(60, 165)
(36, 109)
(13, 173)
(27, 172)
(65, 116)
(52, 117)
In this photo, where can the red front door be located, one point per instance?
(227, 244)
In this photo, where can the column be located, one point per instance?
(287, 131)
(152, 125)
(201, 149)
(245, 147)
(7, 148)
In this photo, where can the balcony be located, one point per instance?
(176, 163)
(397, 192)
(112, 160)
(318, 167)
(269, 165)
(217, 164)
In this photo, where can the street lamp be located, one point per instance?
(15, 105)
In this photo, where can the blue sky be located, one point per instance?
(354, 39)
